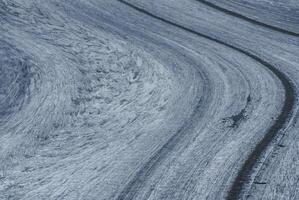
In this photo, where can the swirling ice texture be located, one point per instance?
(100, 100)
(92, 96)
(14, 79)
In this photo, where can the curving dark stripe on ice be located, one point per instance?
(246, 170)
(238, 15)
(131, 189)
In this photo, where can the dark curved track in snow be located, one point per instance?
(243, 17)
(282, 120)
(149, 100)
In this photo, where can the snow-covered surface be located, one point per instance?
(136, 99)
(279, 13)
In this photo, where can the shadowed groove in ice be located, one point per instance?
(282, 14)
(105, 102)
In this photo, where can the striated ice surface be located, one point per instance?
(161, 99)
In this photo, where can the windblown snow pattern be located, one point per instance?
(149, 100)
